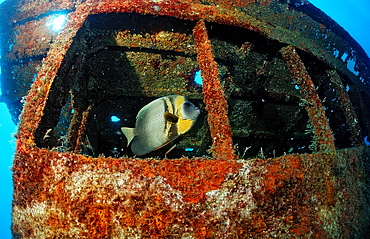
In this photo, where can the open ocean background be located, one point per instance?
(354, 16)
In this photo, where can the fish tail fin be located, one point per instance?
(129, 133)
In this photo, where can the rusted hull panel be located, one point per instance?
(67, 196)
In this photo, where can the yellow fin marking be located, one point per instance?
(183, 125)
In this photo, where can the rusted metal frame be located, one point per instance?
(214, 96)
(347, 107)
(195, 11)
(38, 95)
(323, 136)
(98, 8)
(221, 15)
(81, 131)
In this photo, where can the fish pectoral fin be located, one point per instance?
(173, 119)
(173, 146)
(129, 133)
(167, 143)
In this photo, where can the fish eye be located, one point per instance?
(187, 104)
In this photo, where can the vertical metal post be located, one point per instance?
(347, 107)
(323, 139)
(214, 96)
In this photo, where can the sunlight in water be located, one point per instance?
(58, 22)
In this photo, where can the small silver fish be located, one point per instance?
(160, 122)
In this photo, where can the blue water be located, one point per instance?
(7, 142)
(352, 15)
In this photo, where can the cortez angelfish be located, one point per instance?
(160, 122)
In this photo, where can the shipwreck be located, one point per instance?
(280, 148)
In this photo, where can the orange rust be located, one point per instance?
(277, 173)
(330, 192)
(31, 39)
(97, 218)
(195, 178)
(214, 96)
(281, 177)
(188, 9)
(54, 221)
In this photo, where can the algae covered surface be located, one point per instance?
(277, 150)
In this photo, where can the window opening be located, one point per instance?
(332, 90)
(116, 65)
(265, 108)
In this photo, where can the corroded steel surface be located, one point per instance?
(263, 78)
(67, 196)
(214, 96)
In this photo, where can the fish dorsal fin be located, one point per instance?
(173, 119)
(129, 133)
